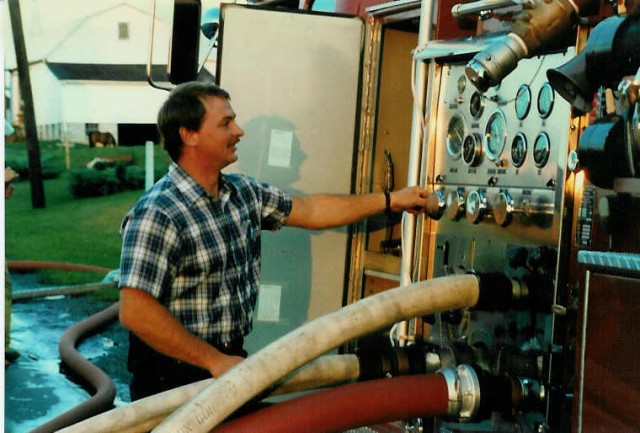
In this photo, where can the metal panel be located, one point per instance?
(294, 83)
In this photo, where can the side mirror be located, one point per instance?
(185, 39)
(210, 23)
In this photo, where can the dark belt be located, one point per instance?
(233, 347)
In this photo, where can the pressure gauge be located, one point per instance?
(462, 83)
(541, 150)
(546, 96)
(472, 149)
(519, 149)
(476, 105)
(523, 101)
(456, 132)
(495, 135)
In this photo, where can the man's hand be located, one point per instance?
(412, 199)
(223, 363)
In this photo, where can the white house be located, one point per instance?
(94, 78)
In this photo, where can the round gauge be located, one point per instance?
(546, 97)
(519, 149)
(462, 83)
(455, 136)
(523, 101)
(495, 135)
(541, 150)
(472, 149)
(476, 105)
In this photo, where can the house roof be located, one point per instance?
(103, 72)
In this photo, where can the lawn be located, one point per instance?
(70, 230)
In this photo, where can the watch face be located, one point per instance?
(456, 132)
(541, 150)
(495, 135)
(519, 149)
(523, 101)
(546, 97)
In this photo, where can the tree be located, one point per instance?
(31, 133)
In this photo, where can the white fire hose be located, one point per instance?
(249, 378)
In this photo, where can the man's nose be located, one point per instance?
(239, 131)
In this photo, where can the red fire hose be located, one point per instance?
(349, 406)
(105, 390)
(33, 265)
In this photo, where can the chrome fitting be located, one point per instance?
(463, 389)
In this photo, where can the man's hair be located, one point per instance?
(184, 107)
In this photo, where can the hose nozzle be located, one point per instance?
(490, 66)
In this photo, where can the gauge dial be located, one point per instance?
(462, 83)
(495, 135)
(456, 132)
(541, 150)
(476, 105)
(546, 97)
(523, 101)
(472, 149)
(519, 149)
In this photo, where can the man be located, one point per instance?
(191, 245)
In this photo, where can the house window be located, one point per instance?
(123, 31)
(90, 127)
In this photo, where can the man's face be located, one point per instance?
(219, 133)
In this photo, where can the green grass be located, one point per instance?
(80, 231)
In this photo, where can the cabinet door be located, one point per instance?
(294, 80)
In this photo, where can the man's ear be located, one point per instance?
(188, 136)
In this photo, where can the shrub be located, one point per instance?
(86, 182)
(50, 165)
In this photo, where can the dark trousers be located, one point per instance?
(152, 372)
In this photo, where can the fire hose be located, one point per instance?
(349, 406)
(105, 390)
(246, 380)
(144, 414)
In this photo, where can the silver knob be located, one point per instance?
(503, 209)
(436, 204)
(476, 206)
(455, 205)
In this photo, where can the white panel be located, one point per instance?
(294, 82)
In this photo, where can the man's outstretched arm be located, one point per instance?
(322, 211)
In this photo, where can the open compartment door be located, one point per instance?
(294, 80)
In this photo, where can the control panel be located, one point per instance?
(500, 155)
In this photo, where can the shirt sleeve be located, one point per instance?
(276, 207)
(149, 243)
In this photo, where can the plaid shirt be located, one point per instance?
(200, 257)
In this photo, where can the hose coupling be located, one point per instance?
(464, 391)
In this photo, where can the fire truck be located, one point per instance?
(521, 120)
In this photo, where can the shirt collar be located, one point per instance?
(192, 190)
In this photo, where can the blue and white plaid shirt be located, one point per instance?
(200, 257)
